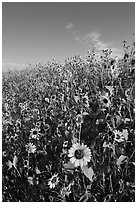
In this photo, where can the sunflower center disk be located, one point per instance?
(79, 154)
(54, 180)
(34, 132)
(105, 100)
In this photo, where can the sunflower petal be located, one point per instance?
(71, 154)
(73, 159)
(77, 163)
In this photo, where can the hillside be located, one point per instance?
(69, 130)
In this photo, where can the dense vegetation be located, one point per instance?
(69, 130)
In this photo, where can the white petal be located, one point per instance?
(73, 159)
(85, 159)
(71, 150)
(81, 162)
(70, 154)
(85, 146)
(82, 146)
(87, 152)
(77, 162)
(88, 158)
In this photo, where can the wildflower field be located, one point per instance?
(68, 130)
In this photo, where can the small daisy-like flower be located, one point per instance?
(26, 163)
(38, 124)
(105, 101)
(128, 94)
(4, 153)
(34, 133)
(79, 154)
(20, 104)
(7, 139)
(121, 136)
(53, 181)
(118, 136)
(31, 148)
(53, 97)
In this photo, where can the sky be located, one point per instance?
(34, 32)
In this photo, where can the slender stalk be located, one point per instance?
(28, 165)
(111, 186)
(17, 171)
(79, 133)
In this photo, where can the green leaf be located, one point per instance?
(88, 172)
(121, 159)
(15, 160)
(69, 166)
(9, 164)
(84, 198)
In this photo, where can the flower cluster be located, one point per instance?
(68, 130)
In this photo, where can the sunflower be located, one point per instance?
(79, 154)
(128, 94)
(53, 181)
(31, 148)
(34, 133)
(121, 136)
(105, 101)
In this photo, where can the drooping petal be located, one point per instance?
(81, 163)
(77, 163)
(71, 154)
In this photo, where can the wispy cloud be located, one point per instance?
(94, 39)
(71, 29)
(69, 26)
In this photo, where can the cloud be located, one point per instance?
(69, 26)
(77, 38)
(94, 39)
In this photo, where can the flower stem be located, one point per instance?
(79, 133)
